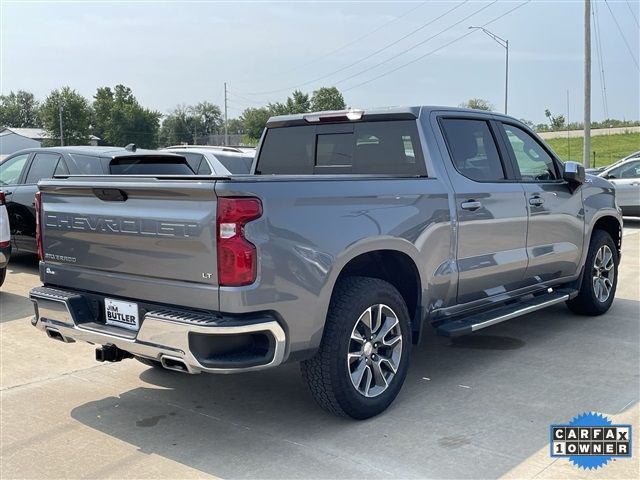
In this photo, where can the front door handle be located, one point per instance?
(471, 205)
(536, 201)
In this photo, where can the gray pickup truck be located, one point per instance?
(356, 232)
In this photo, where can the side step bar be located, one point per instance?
(478, 321)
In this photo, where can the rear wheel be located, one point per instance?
(3, 275)
(600, 278)
(364, 354)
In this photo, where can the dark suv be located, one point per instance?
(21, 172)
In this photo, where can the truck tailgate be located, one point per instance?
(136, 237)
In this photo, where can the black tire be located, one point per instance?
(150, 363)
(328, 373)
(587, 302)
(3, 275)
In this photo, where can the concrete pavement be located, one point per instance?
(476, 407)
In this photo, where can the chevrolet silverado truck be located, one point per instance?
(356, 233)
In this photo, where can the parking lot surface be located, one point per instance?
(478, 406)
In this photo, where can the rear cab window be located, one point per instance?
(390, 147)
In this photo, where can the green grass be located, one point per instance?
(607, 148)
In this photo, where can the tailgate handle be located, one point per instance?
(110, 194)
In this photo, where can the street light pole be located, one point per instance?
(505, 44)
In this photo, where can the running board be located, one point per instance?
(467, 325)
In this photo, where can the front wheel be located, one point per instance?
(364, 354)
(600, 277)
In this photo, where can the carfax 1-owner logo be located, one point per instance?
(590, 441)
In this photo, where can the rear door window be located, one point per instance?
(385, 147)
(473, 149)
(42, 166)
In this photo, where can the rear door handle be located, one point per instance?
(471, 205)
(536, 201)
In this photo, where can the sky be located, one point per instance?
(172, 52)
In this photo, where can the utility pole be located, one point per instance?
(60, 108)
(226, 122)
(587, 84)
(568, 140)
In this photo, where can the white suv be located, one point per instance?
(5, 238)
(210, 160)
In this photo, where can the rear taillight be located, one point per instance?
(237, 262)
(2, 199)
(38, 205)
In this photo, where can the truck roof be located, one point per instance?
(391, 113)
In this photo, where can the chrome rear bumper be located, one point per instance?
(164, 334)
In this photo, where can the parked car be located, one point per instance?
(5, 239)
(356, 231)
(21, 171)
(211, 160)
(625, 176)
(598, 170)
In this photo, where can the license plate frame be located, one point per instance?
(119, 313)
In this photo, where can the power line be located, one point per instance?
(622, 34)
(413, 47)
(354, 41)
(240, 97)
(632, 13)
(362, 59)
(386, 47)
(598, 35)
(435, 50)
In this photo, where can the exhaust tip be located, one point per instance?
(56, 335)
(173, 363)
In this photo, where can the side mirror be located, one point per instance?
(573, 173)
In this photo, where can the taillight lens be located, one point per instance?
(237, 262)
(2, 199)
(38, 205)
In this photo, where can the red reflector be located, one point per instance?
(38, 206)
(237, 262)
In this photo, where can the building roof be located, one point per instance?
(33, 133)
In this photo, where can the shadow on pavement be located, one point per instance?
(23, 263)
(475, 406)
(13, 307)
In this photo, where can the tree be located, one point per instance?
(207, 117)
(556, 121)
(186, 123)
(19, 109)
(254, 121)
(236, 127)
(477, 104)
(76, 116)
(298, 102)
(119, 119)
(327, 98)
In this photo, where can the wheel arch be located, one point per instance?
(612, 226)
(384, 264)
